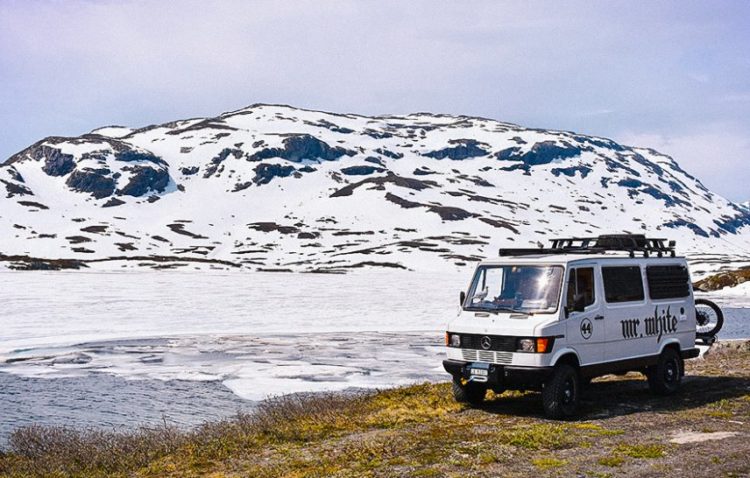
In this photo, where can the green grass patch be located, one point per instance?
(611, 460)
(721, 409)
(592, 429)
(548, 463)
(653, 450)
(545, 436)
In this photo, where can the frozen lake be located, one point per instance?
(114, 349)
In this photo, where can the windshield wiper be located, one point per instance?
(495, 309)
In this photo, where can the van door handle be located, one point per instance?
(599, 317)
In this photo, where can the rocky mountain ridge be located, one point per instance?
(272, 187)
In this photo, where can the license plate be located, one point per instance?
(479, 372)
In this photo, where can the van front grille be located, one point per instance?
(504, 343)
(487, 356)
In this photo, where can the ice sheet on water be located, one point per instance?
(65, 308)
(254, 367)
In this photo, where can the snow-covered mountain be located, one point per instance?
(275, 187)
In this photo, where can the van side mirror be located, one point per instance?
(579, 303)
(461, 298)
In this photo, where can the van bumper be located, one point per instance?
(690, 353)
(503, 376)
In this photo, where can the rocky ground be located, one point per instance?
(730, 278)
(420, 431)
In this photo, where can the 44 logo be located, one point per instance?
(586, 329)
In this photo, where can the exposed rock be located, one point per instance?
(97, 182)
(724, 279)
(241, 186)
(14, 174)
(264, 173)
(330, 126)
(180, 229)
(402, 202)
(14, 189)
(389, 154)
(422, 171)
(301, 147)
(219, 158)
(55, 162)
(112, 202)
(571, 171)
(32, 204)
(543, 152)
(99, 229)
(361, 170)
(133, 156)
(126, 246)
(145, 179)
(400, 181)
(374, 160)
(83, 250)
(273, 227)
(463, 149)
(78, 239)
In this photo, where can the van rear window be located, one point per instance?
(668, 282)
(622, 284)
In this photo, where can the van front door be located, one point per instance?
(585, 323)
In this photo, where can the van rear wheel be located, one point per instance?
(560, 393)
(471, 393)
(664, 378)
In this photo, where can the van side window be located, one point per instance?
(668, 282)
(622, 284)
(581, 287)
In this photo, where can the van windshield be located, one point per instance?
(519, 288)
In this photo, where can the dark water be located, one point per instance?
(106, 401)
(736, 324)
(109, 401)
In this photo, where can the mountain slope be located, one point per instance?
(274, 187)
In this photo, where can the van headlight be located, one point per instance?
(525, 345)
(455, 340)
(541, 345)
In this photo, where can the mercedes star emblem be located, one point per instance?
(486, 343)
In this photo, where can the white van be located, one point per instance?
(550, 319)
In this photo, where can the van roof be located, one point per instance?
(562, 259)
(631, 243)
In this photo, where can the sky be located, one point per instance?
(672, 75)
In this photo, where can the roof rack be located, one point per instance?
(630, 243)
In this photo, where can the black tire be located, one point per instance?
(498, 390)
(708, 318)
(664, 378)
(471, 393)
(560, 393)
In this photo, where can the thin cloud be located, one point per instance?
(716, 154)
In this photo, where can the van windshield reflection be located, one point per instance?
(518, 288)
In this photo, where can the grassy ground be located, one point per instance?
(419, 431)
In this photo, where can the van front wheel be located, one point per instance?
(664, 378)
(560, 393)
(471, 393)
